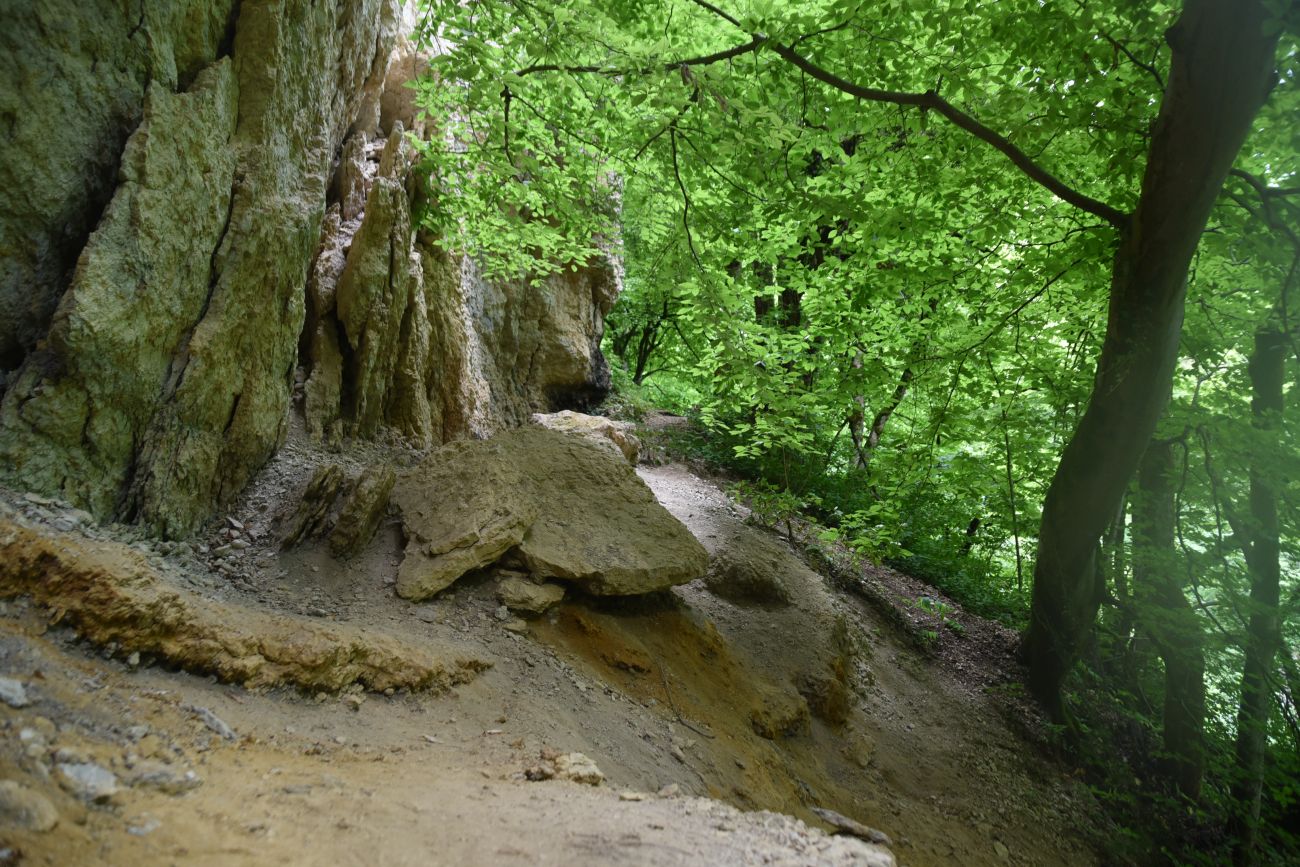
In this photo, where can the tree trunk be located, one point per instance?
(1167, 616)
(1221, 70)
(1260, 543)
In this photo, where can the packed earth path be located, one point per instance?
(682, 700)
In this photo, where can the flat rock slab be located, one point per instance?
(569, 509)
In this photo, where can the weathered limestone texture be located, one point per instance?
(604, 432)
(164, 381)
(406, 338)
(75, 75)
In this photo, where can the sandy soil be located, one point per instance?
(662, 691)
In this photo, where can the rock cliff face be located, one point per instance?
(222, 220)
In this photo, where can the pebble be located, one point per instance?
(25, 809)
(212, 721)
(88, 781)
(671, 790)
(13, 693)
(1001, 850)
(579, 769)
(146, 826)
(163, 777)
(631, 796)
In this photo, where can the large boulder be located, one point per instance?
(569, 510)
(463, 508)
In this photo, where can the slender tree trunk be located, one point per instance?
(857, 417)
(1167, 616)
(1011, 499)
(1260, 543)
(1220, 75)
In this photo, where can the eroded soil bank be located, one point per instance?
(692, 702)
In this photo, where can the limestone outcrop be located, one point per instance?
(234, 184)
(403, 337)
(164, 380)
(565, 508)
(76, 74)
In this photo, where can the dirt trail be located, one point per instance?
(681, 690)
(945, 772)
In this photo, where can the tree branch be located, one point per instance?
(703, 60)
(931, 100)
(686, 198)
(1146, 67)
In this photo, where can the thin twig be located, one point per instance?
(668, 693)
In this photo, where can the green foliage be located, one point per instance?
(879, 320)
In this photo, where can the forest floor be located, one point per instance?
(670, 695)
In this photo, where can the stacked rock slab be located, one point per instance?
(564, 507)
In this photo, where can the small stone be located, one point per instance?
(631, 796)
(134, 659)
(539, 772)
(502, 613)
(340, 740)
(163, 777)
(234, 523)
(1001, 850)
(25, 809)
(516, 626)
(146, 826)
(527, 598)
(212, 721)
(13, 693)
(844, 825)
(88, 781)
(29, 735)
(672, 790)
(579, 769)
(240, 544)
(45, 726)
(677, 753)
(354, 701)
